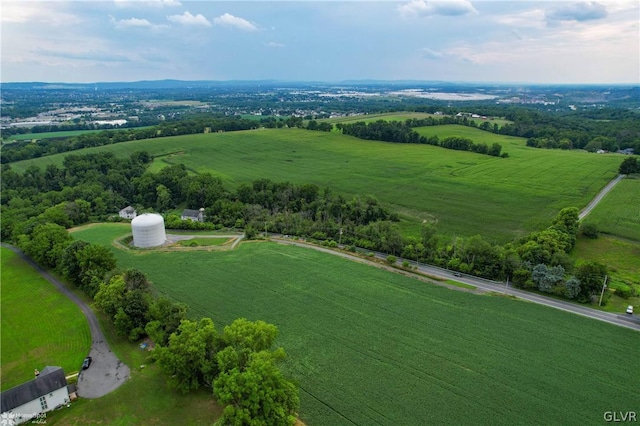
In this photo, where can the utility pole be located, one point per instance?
(340, 238)
(604, 285)
(265, 229)
(506, 285)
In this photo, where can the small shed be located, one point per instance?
(128, 213)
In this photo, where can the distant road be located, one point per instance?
(599, 197)
(622, 319)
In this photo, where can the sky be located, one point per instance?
(559, 42)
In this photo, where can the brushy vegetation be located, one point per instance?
(465, 193)
(421, 351)
(40, 326)
(623, 260)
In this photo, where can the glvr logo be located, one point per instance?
(620, 416)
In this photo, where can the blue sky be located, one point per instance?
(455, 40)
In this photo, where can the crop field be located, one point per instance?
(619, 211)
(465, 193)
(40, 326)
(49, 135)
(367, 346)
(402, 116)
(64, 133)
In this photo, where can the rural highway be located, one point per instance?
(622, 319)
(599, 197)
(106, 372)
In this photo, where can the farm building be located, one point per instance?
(148, 230)
(194, 215)
(28, 400)
(128, 213)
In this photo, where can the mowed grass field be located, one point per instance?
(465, 193)
(619, 211)
(40, 326)
(367, 346)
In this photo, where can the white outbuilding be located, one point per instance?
(148, 230)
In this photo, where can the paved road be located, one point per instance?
(107, 372)
(599, 197)
(623, 320)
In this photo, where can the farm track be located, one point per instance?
(593, 203)
(107, 372)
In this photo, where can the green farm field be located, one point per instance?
(368, 346)
(465, 193)
(49, 135)
(40, 326)
(63, 134)
(402, 116)
(619, 211)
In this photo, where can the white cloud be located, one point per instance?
(582, 11)
(132, 22)
(430, 53)
(274, 44)
(229, 20)
(147, 3)
(91, 55)
(42, 13)
(444, 8)
(534, 18)
(188, 19)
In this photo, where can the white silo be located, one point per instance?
(148, 230)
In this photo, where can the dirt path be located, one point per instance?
(599, 197)
(107, 372)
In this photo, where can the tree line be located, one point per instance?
(23, 150)
(606, 128)
(402, 132)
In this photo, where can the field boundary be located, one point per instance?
(593, 203)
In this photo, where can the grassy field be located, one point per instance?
(204, 242)
(465, 193)
(61, 134)
(40, 326)
(49, 135)
(372, 347)
(619, 211)
(402, 116)
(623, 259)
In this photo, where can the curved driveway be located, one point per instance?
(107, 372)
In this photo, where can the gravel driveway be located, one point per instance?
(106, 372)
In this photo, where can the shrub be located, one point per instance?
(589, 230)
(624, 291)
(391, 259)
